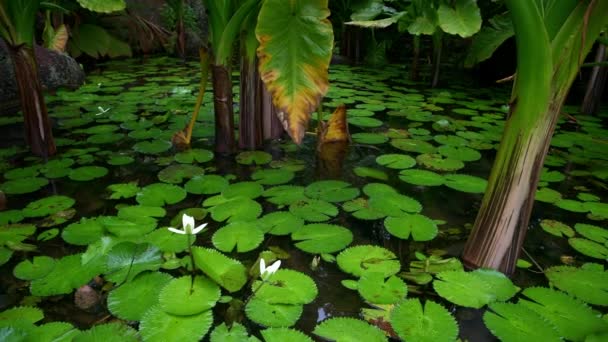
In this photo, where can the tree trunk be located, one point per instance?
(272, 126)
(596, 84)
(250, 106)
(414, 72)
(223, 109)
(38, 133)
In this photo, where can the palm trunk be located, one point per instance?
(38, 133)
(272, 126)
(223, 108)
(250, 123)
(596, 84)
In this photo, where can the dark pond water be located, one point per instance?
(117, 129)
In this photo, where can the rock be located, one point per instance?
(55, 69)
(86, 298)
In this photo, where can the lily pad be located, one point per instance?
(243, 189)
(235, 209)
(349, 329)
(556, 228)
(47, 206)
(272, 315)
(413, 322)
(254, 157)
(419, 226)
(412, 145)
(439, 162)
(157, 325)
(396, 161)
(87, 173)
(175, 174)
(123, 190)
(589, 248)
(322, 238)
(285, 194)
(421, 177)
(160, 194)
(369, 138)
(152, 147)
(242, 236)
(514, 322)
(331, 191)
(286, 287)
(374, 289)
(465, 183)
(366, 258)
(284, 334)
(131, 300)
(313, 210)
(23, 185)
(272, 177)
(39, 267)
(206, 184)
(184, 297)
(228, 273)
(280, 223)
(194, 155)
(126, 260)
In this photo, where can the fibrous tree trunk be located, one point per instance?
(38, 133)
(250, 106)
(596, 84)
(223, 109)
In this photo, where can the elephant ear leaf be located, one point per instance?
(103, 6)
(296, 41)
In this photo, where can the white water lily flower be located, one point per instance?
(265, 273)
(188, 226)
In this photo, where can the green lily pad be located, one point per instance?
(331, 191)
(194, 155)
(157, 325)
(139, 211)
(286, 287)
(359, 208)
(285, 194)
(160, 194)
(364, 121)
(175, 174)
(571, 205)
(228, 273)
(206, 184)
(419, 226)
(439, 162)
(152, 147)
(369, 138)
(128, 226)
(465, 183)
(68, 274)
(370, 172)
(348, 329)
(396, 161)
(249, 190)
(589, 248)
(254, 157)
(548, 195)
(123, 190)
(87, 173)
(463, 153)
(126, 260)
(374, 289)
(236, 333)
(366, 258)
(39, 267)
(412, 145)
(556, 228)
(108, 332)
(23, 185)
(280, 223)
(313, 210)
(592, 232)
(321, 238)
(184, 297)
(120, 160)
(272, 177)
(413, 322)
(233, 209)
(11, 216)
(131, 300)
(421, 177)
(272, 315)
(514, 322)
(23, 172)
(47, 206)
(284, 334)
(474, 289)
(243, 236)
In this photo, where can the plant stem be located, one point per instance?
(191, 262)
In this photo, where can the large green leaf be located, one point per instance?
(104, 6)
(432, 323)
(296, 41)
(228, 273)
(488, 39)
(516, 322)
(464, 19)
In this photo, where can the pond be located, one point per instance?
(85, 251)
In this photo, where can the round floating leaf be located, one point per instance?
(465, 154)
(68, 274)
(439, 162)
(285, 194)
(378, 189)
(184, 297)
(374, 289)
(194, 155)
(15, 233)
(547, 195)
(286, 287)
(54, 331)
(394, 204)
(474, 289)
(396, 161)
(586, 197)
(272, 315)
(280, 223)
(551, 176)
(419, 226)
(128, 226)
(126, 260)
(11, 216)
(572, 318)
(556, 228)
(284, 334)
(571, 205)
(360, 259)
(515, 322)
(139, 211)
(313, 210)
(236, 209)
(103, 6)
(244, 236)
(131, 300)
(369, 138)
(206, 184)
(47, 206)
(152, 147)
(157, 325)
(370, 172)
(331, 191)
(592, 232)
(348, 329)
(167, 241)
(243, 189)
(119, 160)
(23, 185)
(236, 333)
(123, 190)
(87, 173)
(108, 332)
(412, 145)
(22, 172)
(228, 273)
(272, 177)
(175, 174)
(465, 183)
(589, 248)
(450, 140)
(433, 323)
(364, 121)
(322, 238)
(37, 268)
(359, 208)
(421, 177)
(254, 157)
(159, 194)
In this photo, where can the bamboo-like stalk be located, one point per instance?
(223, 108)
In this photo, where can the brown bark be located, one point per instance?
(250, 107)
(596, 84)
(38, 133)
(223, 108)
(272, 126)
